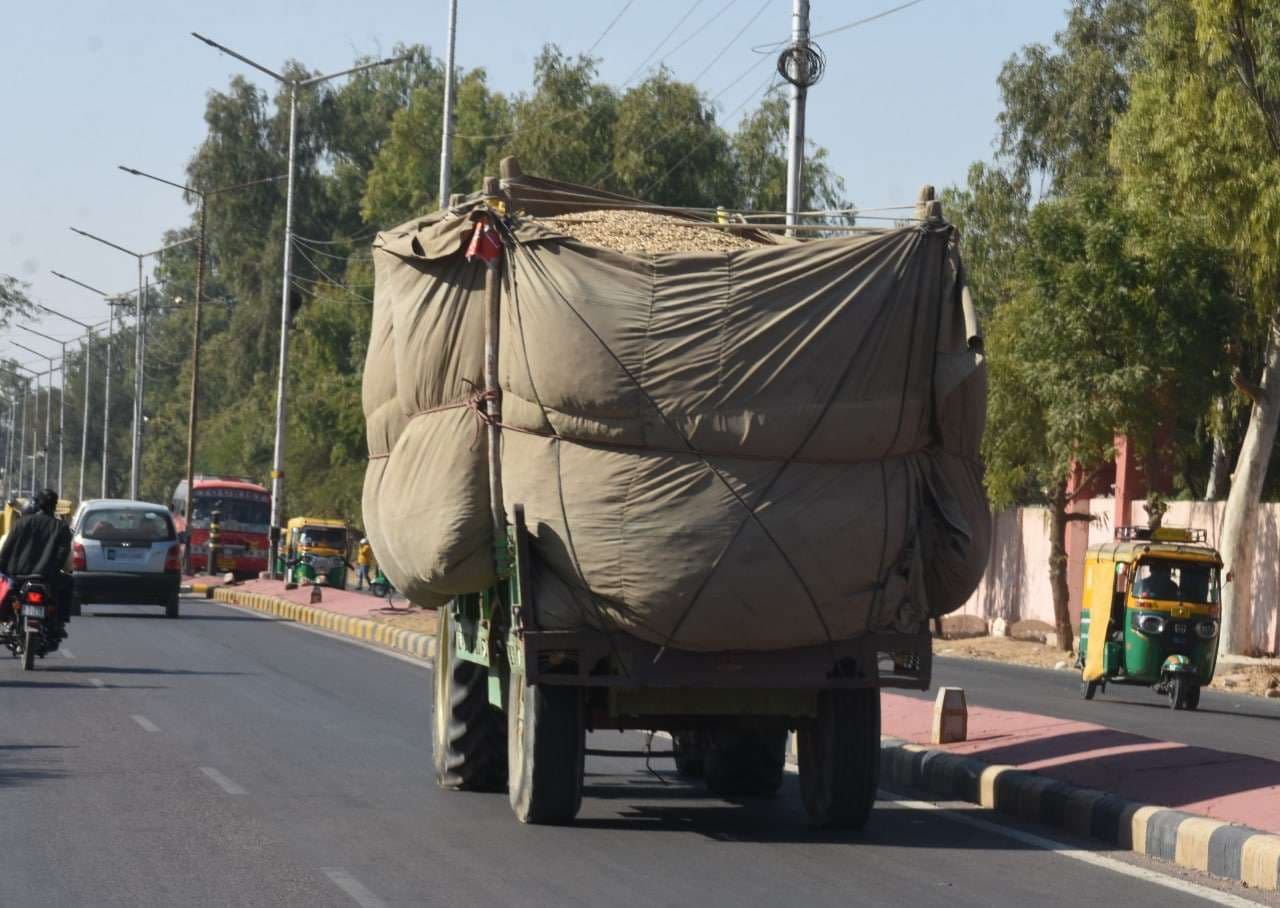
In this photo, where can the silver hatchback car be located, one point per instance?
(125, 553)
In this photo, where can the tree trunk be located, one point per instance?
(1239, 521)
(1220, 465)
(1058, 567)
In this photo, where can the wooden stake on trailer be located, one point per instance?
(493, 403)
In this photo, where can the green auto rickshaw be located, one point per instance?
(1152, 612)
(315, 551)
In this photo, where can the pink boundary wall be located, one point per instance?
(1016, 584)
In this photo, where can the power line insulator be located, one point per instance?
(802, 63)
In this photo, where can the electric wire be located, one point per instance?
(675, 28)
(767, 48)
(732, 41)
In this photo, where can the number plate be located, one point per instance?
(126, 555)
(33, 611)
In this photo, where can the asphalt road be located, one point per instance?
(222, 759)
(1236, 722)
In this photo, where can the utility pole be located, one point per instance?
(798, 76)
(446, 140)
(277, 459)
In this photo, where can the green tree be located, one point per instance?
(991, 214)
(668, 148)
(760, 154)
(1203, 133)
(1114, 319)
(565, 128)
(1060, 103)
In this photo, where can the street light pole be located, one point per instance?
(277, 459)
(193, 413)
(88, 369)
(134, 474)
(48, 401)
(446, 140)
(62, 400)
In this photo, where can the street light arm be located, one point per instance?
(316, 80)
(47, 337)
(101, 293)
(243, 59)
(49, 359)
(149, 176)
(74, 321)
(106, 242)
(190, 239)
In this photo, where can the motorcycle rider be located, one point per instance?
(40, 545)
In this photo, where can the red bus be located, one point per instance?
(245, 509)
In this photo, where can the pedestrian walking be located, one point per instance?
(364, 563)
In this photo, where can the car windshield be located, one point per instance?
(249, 512)
(323, 537)
(1182, 581)
(127, 525)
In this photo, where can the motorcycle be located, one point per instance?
(30, 620)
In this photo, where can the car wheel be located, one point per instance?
(76, 605)
(171, 607)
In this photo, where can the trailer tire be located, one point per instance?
(690, 762)
(746, 762)
(840, 758)
(546, 750)
(468, 743)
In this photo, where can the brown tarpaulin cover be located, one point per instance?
(761, 449)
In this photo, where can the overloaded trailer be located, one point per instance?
(662, 469)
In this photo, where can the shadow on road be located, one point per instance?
(73, 685)
(127, 670)
(1163, 705)
(781, 820)
(17, 767)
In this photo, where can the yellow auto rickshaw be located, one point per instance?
(1151, 613)
(315, 551)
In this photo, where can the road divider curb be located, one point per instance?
(411, 643)
(1226, 850)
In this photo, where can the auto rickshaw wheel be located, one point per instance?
(1178, 691)
(1193, 697)
(1088, 689)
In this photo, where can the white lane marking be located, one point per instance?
(321, 632)
(353, 887)
(147, 724)
(1216, 896)
(222, 781)
(97, 682)
(66, 653)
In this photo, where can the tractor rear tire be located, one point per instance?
(840, 758)
(467, 732)
(746, 762)
(546, 751)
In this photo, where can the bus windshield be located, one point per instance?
(246, 511)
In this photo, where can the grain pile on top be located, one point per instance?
(645, 232)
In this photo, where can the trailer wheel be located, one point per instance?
(467, 732)
(840, 758)
(688, 754)
(746, 762)
(546, 747)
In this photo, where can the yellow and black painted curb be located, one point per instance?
(411, 643)
(1226, 850)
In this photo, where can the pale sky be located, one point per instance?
(84, 86)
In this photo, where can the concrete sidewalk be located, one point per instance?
(1213, 783)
